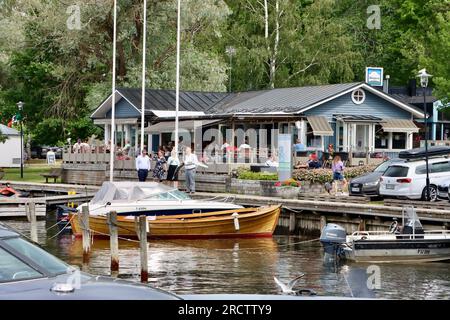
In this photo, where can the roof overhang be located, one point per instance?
(106, 105)
(189, 125)
(376, 92)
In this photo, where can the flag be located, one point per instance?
(12, 121)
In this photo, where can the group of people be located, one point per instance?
(169, 166)
(81, 146)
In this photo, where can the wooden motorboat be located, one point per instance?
(241, 222)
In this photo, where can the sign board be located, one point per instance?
(284, 156)
(374, 76)
(51, 159)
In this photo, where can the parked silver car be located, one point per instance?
(369, 183)
(28, 272)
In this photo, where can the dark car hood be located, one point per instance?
(370, 177)
(90, 288)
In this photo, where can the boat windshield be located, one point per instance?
(135, 191)
(171, 195)
(410, 217)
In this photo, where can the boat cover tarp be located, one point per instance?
(128, 191)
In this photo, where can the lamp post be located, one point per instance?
(423, 75)
(230, 51)
(20, 106)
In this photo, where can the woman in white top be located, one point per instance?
(173, 163)
(190, 164)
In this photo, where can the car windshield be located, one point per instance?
(396, 171)
(13, 269)
(382, 167)
(43, 259)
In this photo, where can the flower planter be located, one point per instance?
(287, 192)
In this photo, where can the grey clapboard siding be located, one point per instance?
(124, 110)
(372, 106)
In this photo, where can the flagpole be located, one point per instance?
(113, 111)
(177, 90)
(144, 31)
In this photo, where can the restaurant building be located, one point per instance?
(354, 117)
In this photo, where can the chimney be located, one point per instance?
(412, 87)
(386, 84)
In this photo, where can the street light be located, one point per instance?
(423, 75)
(230, 51)
(20, 106)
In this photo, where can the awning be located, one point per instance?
(169, 126)
(399, 125)
(320, 126)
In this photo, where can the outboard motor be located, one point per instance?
(332, 237)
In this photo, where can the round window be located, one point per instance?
(358, 96)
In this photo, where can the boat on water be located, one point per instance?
(148, 198)
(172, 213)
(241, 222)
(408, 243)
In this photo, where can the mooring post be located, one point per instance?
(33, 222)
(113, 240)
(85, 233)
(143, 247)
(292, 222)
(323, 222)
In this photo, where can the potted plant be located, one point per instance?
(288, 189)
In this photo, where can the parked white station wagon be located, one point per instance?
(408, 180)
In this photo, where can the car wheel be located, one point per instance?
(433, 193)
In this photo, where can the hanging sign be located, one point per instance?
(374, 76)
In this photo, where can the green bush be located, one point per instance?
(249, 175)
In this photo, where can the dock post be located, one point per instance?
(143, 248)
(113, 240)
(292, 222)
(33, 222)
(85, 233)
(323, 222)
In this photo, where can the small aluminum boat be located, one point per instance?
(408, 243)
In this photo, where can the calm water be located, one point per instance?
(247, 266)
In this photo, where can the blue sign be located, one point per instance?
(285, 157)
(374, 76)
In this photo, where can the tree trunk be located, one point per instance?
(273, 59)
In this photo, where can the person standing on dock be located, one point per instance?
(190, 165)
(337, 166)
(173, 163)
(160, 167)
(143, 165)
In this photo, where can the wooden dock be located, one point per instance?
(19, 207)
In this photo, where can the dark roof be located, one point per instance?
(165, 99)
(283, 99)
(413, 99)
(8, 131)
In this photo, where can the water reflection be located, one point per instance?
(248, 266)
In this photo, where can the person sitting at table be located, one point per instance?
(299, 146)
(270, 162)
(313, 162)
